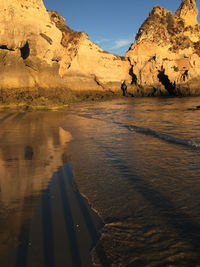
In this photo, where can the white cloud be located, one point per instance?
(119, 46)
(104, 40)
(121, 43)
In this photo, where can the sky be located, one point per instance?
(112, 24)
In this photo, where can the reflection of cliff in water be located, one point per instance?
(32, 148)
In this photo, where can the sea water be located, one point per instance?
(136, 185)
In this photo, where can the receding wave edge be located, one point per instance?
(164, 137)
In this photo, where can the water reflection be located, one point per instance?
(32, 148)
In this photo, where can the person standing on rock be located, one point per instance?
(124, 88)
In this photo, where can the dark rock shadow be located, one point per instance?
(164, 79)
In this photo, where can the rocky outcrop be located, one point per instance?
(188, 11)
(85, 65)
(165, 55)
(37, 50)
(30, 46)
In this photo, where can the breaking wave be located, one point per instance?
(162, 136)
(149, 132)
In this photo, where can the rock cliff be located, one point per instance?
(85, 65)
(165, 55)
(29, 45)
(37, 50)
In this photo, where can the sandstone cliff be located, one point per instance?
(29, 45)
(37, 50)
(165, 55)
(85, 65)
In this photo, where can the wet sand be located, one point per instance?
(44, 220)
(135, 162)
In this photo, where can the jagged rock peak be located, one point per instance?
(158, 18)
(188, 11)
(166, 51)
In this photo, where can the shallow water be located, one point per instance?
(43, 220)
(138, 164)
(135, 160)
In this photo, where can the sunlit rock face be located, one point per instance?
(37, 50)
(188, 11)
(29, 45)
(87, 66)
(165, 55)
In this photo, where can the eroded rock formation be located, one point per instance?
(29, 45)
(85, 65)
(188, 11)
(165, 56)
(37, 50)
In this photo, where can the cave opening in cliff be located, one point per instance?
(164, 79)
(25, 51)
(4, 47)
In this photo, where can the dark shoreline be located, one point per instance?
(50, 99)
(42, 99)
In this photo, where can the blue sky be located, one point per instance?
(112, 24)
